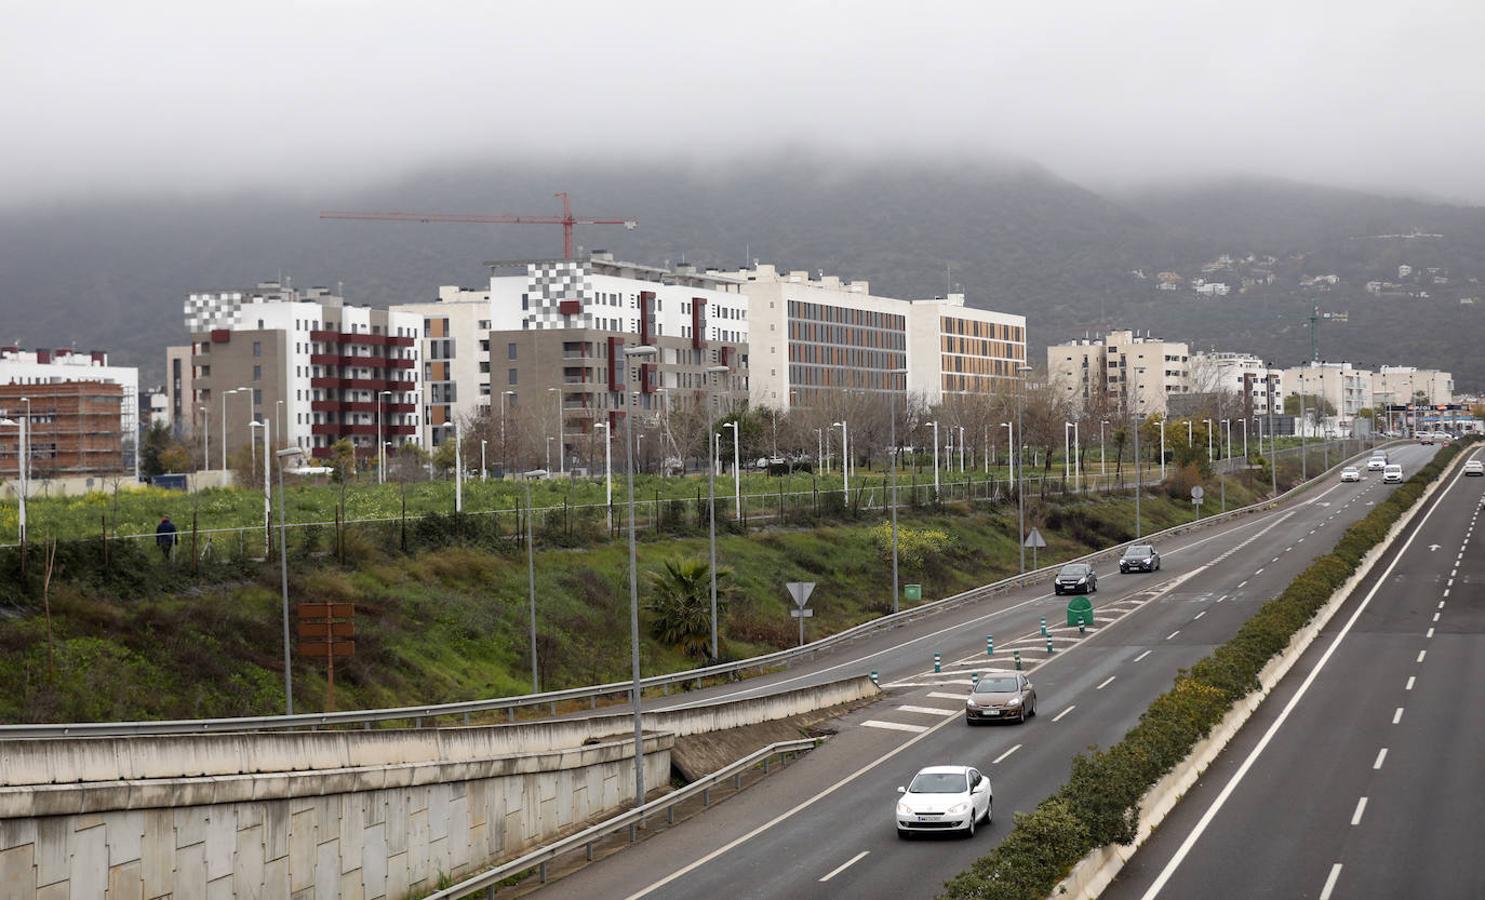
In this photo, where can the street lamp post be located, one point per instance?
(206, 437)
(711, 501)
(267, 486)
(381, 447)
(935, 460)
(561, 446)
(1162, 447)
(484, 470)
(736, 468)
(635, 693)
(458, 469)
(1018, 457)
(505, 447)
(845, 459)
(1139, 486)
(531, 581)
(1102, 466)
(892, 427)
(1208, 423)
(284, 456)
(608, 471)
(225, 395)
(961, 449)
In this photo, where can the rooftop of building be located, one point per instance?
(61, 356)
(603, 262)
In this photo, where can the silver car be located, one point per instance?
(943, 798)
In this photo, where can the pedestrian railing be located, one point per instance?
(631, 821)
(461, 712)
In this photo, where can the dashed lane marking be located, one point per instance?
(1421, 654)
(1397, 716)
(845, 865)
(1106, 682)
(1058, 717)
(1199, 615)
(1142, 656)
(1173, 634)
(1002, 757)
(1411, 679)
(1360, 809)
(1381, 758)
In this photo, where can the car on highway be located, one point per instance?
(1392, 474)
(1425, 437)
(1075, 578)
(943, 798)
(1376, 463)
(998, 697)
(1474, 467)
(1139, 558)
(1350, 473)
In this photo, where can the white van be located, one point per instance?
(1392, 474)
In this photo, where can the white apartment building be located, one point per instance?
(314, 367)
(1126, 370)
(456, 357)
(815, 336)
(21, 367)
(1343, 386)
(1256, 383)
(1401, 384)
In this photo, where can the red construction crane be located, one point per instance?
(566, 220)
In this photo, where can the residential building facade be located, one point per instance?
(1346, 388)
(316, 368)
(1258, 385)
(1403, 384)
(456, 358)
(560, 327)
(958, 349)
(180, 390)
(74, 428)
(20, 368)
(1123, 371)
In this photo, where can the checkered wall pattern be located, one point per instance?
(205, 312)
(548, 284)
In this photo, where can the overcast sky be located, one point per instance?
(192, 95)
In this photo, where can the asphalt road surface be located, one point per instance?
(824, 826)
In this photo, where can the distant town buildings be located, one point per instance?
(1407, 384)
(81, 412)
(1122, 371)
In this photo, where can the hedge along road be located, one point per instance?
(781, 837)
(1393, 671)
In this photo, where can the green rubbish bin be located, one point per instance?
(1080, 611)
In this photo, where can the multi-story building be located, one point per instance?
(1346, 388)
(813, 338)
(74, 428)
(1123, 370)
(1404, 384)
(57, 367)
(314, 367)
(456, 357)
(180, 391)
(560, 326)
(1257, 384)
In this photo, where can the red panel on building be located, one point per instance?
(698, 322)
(43, 356)
(570, 307)
(616, 364)
(724, 356)
(221, 336)
(647, 377)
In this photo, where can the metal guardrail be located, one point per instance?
(632, 820)
(592, 693)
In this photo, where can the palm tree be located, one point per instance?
(681, 606)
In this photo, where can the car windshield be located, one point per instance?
(1077, 569)
(939, 783)
(1139, 552)
(996, 686)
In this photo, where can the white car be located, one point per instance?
(1350, 473)
(1474, 467)
(943, 798)
(1392, 474)
(1376, 464)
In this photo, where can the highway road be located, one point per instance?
(825, 825)
(1361, 776)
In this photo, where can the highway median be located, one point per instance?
(1077, 838)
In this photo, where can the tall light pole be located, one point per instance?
(1189, 438)
(635, 694)
(225, 395)
(206, 437)
(267, 485)
(711, 495)
(278, 412)
(1273, 453)
(935, 460)
(458, 469)
(961, 449)
(819, 450)
(284, 456)
(504, 447)
(1019, 457)
(531, 581)
(1245, 440)
(845, 458)
(1077, 460)
(561, 447)
(736, 468)
(20, 463)
(892, 394)
(608, 471)
(381, 447)
(1102, 467)
(1139, 486)
(1066, 453)
(1300, 427)
(1162, 446)
(484, 470)
(1209, 439)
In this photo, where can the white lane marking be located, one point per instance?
(1274, 560)
(943, 696)
(1335, 873)
(1221, 598)
(1446, 593)
(1259, 572)
(1360, 808)
(1142, 656)
(1058, 717)
(1411, 680)
(1106, 682)
(1441, 602)
(1301, 541)
(895, 726)
(1436, 616)
(1002, 757)
(1242, 584)
(1199, 615)
(1430, 633)
(1453, 572)
(845, 865)
(1421, 654)
(1381, 757)
(1173, 634)
(1397, 716)
(930, 710)
(1227, 790)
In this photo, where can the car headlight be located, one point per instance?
(1150, 560)
(1083, 580)
(971, 703)
(959, 809)
(903, 810)
(1014, 701)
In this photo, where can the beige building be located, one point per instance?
(1125, 370)
(958, 349)
(1256, 384)
(1346, 388)
(456, 357)
(1402, 384)
(180, 391)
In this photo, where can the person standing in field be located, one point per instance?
(165, 536)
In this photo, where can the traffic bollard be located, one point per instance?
(938, 663)
(1018, 660)
(974, 680)
(1081, 626)
(1050, 648)
(1044, 626)
(989, 645)
(874, 679)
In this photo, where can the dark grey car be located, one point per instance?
(1140, 558)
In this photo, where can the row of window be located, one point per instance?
(998, 349)
(820, 312)
(852, 336)
(975, 328)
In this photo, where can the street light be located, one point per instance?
(935, 460)
(845, 458)
(381, 447)
(504, 447)
(1020, 462)
(484, 470)
(284, 456)
(267, 486)
(635, 695)
(561, 445)
(225, 395)
(206, 436)
(20, 462)
(608, 470)
(711, 498)
(1162, 447)
(736, 469)
(892, 393)
(1209, 438)
(961, 449)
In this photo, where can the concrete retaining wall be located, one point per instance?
(364, 833)
(1098, 869)
(69, 761)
